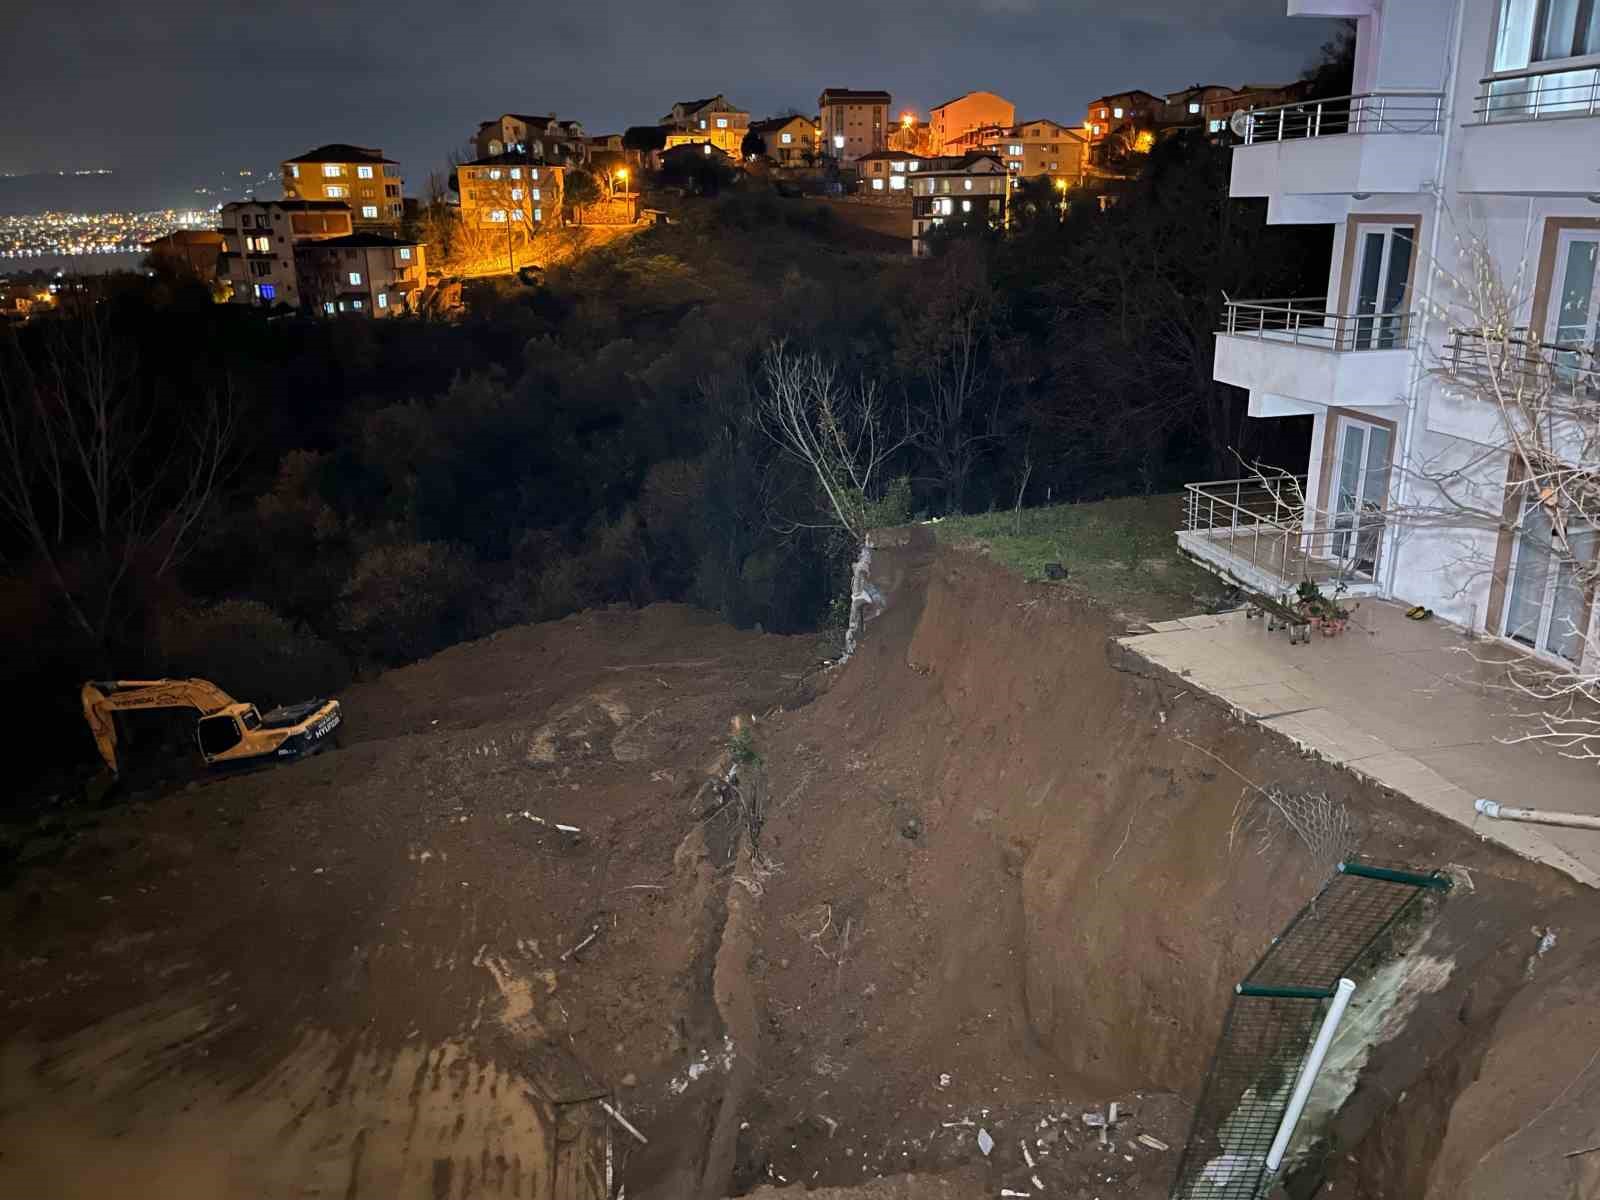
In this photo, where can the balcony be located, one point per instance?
(1292, 351)
(1376, 142)
(1534, 134)
(1259, 534)
(1481, 372)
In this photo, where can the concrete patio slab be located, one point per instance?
(1419, 707)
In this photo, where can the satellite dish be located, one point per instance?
(1239, 122)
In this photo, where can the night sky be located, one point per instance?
(205, 86)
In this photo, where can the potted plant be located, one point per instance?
(1320, 611)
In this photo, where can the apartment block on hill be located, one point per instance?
(790, 141)
(1467, 153)
(509, 193)
(968, 112)
(710, 121)
(362, 274)
(259, 238)
(969, 189)
(888, 171)
(1042, 147)
(355, 175)
(541, 139)
(853, 122)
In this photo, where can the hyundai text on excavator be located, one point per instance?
(227, 732)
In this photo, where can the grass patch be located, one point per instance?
(1122, 552)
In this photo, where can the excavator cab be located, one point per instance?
(217, 735)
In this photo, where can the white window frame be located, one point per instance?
(369, 212)
(355, 278)
(337, 190)
(405, 253)
(363, 172)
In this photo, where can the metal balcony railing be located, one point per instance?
(1539, 93)
(1368, 112)
(1303, 321)
(1518, 360)
(1266, 527)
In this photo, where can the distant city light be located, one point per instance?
(35, 235)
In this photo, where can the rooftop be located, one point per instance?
(290, 205)
(848, 94)
(769, 124)
(358, 241)
(341, 152)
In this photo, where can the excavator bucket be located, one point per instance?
(101, 723)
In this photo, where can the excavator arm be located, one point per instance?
(101, 700)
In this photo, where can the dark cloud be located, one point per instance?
(208, 86)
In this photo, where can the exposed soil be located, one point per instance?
(996, 877)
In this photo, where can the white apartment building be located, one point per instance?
(1474, 127)
(969, 189)
(258, 243)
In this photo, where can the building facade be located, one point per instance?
(711, 121)
(1041, 147)
(971, 189)
(853, 122)
(968, 112)
(890, 171)
(354, 175)
(259, 238)
(363, 274)
(509, 193)
(1468, 154)
(790, 141)
(543, 139)
(1116, 122)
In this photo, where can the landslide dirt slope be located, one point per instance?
(346, 977)
(1015, 877)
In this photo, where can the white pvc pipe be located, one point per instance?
(1308, 1073)
(1535, 816)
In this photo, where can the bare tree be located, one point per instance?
(1536, 478)
(91, 476)
(836, 432)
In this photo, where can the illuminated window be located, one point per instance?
(1193, 107)
(877, 184)
(497, 215)
(294, 170)
(516, 193)
(786, 138)
(966, 206)
(538, 214)
(967, 183)
(268, 291)
(355, 278)
(494, 172)
(405, 253)
(1115, 112)
(369, 211)
(336, 191)
(1014, 149)
(707, 147)
(258, 245)
(899, 166)
(912, 166)
(722, 122)
(363, 172)
(1214, 125)
(702, 122)
(533, 172)
(383, 299)
(355, 304)
(332, 170)
(1103, 114)
(838, 141)
(495, 146)
(327, 306)
(897, 183)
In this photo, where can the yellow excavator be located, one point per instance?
(228, 731)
